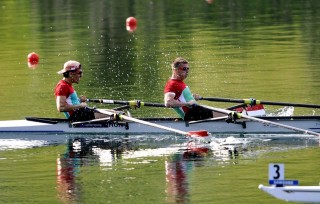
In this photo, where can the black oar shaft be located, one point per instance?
(136, 103)
(290, 104)
(228, 100)
(253, 102)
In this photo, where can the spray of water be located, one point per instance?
(285, 111)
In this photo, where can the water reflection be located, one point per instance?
(178, 166)
(181, 157)
(104, 152)
(68, 166)
(67, 169)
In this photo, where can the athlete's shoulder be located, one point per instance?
(175, 86)
(176, 82)
(63, 88)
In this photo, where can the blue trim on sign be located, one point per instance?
(284, 182)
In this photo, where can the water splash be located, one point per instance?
(285, 111)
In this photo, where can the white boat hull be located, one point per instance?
(61, 126)
(306, 194)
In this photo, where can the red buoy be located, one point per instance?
(131, 24)
(33, 60)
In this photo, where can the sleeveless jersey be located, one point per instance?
(63, 88)
(182, 94)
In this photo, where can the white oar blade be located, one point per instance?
(199, 133)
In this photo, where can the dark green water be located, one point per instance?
(268, 50)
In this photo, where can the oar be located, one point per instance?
(91, 121)
(134, 103)
(237, 106)
(254, 102)
(260, 120)
(200, 133)
(209, 120)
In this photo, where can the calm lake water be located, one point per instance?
(268, 50)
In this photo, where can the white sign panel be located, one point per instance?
(276, 172)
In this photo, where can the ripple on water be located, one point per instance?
(10, 144)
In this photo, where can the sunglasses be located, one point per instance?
(184, 68)
(79, 73)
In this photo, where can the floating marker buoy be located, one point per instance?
(131, 24)
(33, 60)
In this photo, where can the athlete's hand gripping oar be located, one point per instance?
(253, 101)
(200, 133)
(260, 120)
(133, 103)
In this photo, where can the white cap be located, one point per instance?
(70, 66)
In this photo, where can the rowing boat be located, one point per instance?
(243, 126)
(310, 194)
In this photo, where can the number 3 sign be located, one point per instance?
(276, 172)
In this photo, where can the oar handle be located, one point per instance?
(133, 103)
(107, 101)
